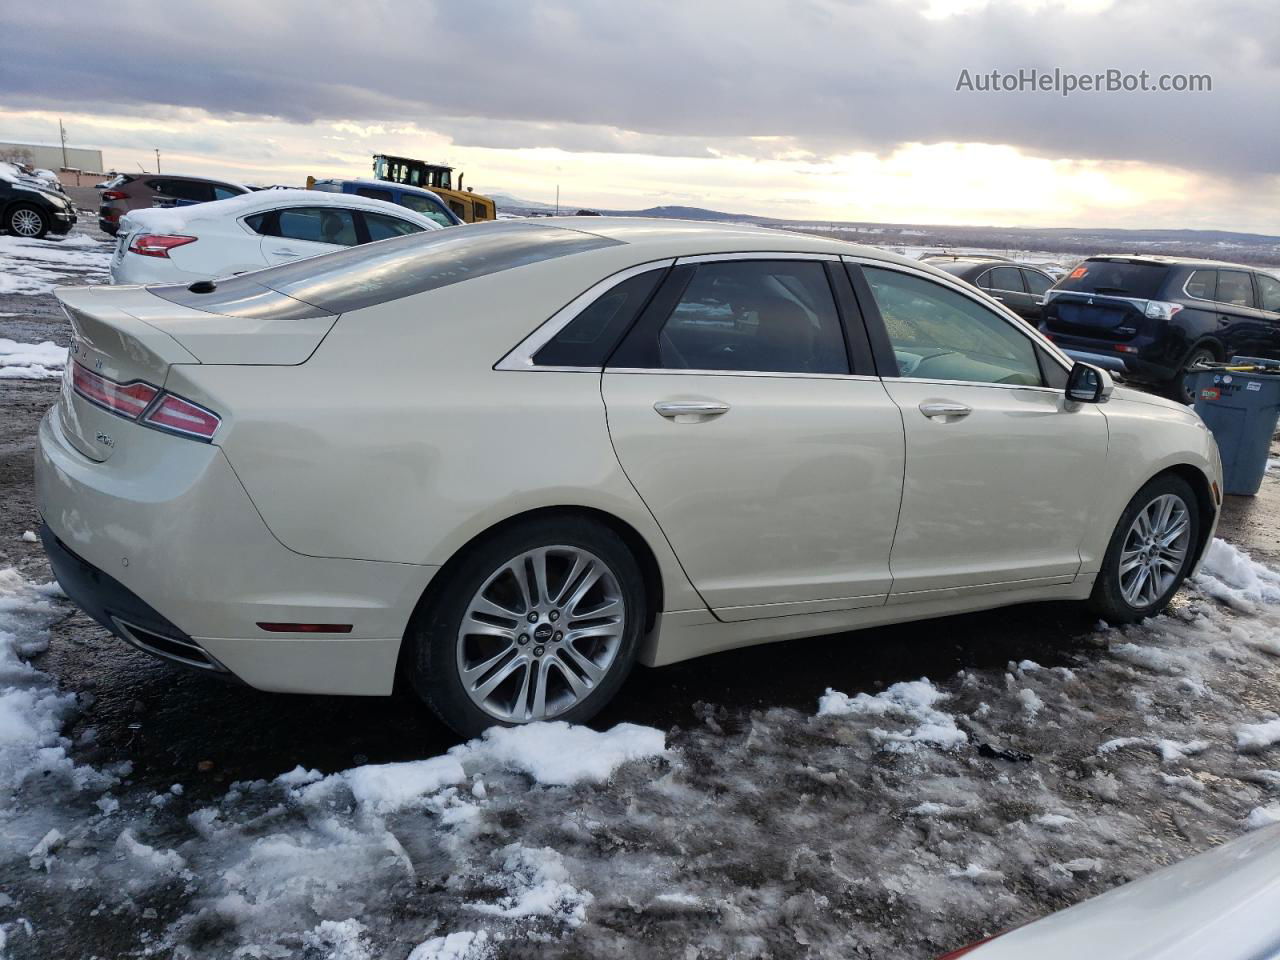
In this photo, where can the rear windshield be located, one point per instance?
(373, 273)
(1120, 278)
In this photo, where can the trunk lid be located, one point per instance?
(131, 334)
(1105, 297)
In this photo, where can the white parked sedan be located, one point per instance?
(249, 232)
(513, 459)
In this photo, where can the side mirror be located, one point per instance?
(1089, 384)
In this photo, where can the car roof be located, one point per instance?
(185, 176)
(687, 238)
(246, 204)
(383, 185)
(1164, 261)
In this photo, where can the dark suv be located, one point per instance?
(1019, 286)
(126, 192)
(1153, 318)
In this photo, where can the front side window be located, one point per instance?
(1269, 291)
(317, 225)
(1235, 288)
(1037, 283)
(774, 316)
(382, 227)
(428, 208)
(188, 190)
(1008, 279)
(939, 334)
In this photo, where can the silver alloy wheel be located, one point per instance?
(1154, 550)
(540, 634)
(26, 223)
(1199, 359)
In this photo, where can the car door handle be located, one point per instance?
(690, 411)
(946, 412)
(283, 251)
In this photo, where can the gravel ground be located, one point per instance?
(812, 798)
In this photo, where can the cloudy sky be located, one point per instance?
(815, 109)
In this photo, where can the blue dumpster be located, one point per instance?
(1239, 402)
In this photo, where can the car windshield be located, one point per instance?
(1121, 278)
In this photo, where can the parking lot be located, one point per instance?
(895, 792)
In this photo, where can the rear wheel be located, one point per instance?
(27, 221)
(1150, 553)
(1183, 386)
(540, 622)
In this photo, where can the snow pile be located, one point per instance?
(913, 702)
(900, 823)
(31, 361)
(35, 267)
(1230, 575)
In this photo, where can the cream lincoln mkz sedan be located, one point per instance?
(512, 460)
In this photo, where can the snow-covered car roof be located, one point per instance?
(179, 219)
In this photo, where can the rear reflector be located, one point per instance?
(157, 244)
(126, 399)
(306, 627)
(182, 416)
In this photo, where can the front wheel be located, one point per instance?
(1150, 553)
(540, 622)
(27, 221)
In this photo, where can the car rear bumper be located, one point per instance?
(191, 562)
(1135, 366)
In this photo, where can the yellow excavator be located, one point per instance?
(467, 204)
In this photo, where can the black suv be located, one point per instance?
(1019, 286)
(1153, 318)
(31, 207)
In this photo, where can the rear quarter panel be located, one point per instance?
(397, 441)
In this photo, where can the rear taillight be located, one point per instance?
(157, 244)
(114, 195)
(146, 404)
(126, 399)
(1162, 310)
(182, 416)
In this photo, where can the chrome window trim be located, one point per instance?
(758, 255)
(1221, 303)
(979, 297)
(520, 357)
(778, 374)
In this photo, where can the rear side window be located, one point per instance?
(589, 338)
(1269, 290)
(317, 225)
(401, 267)
(382, 227)
(1235, 287)
(184, 189)
(770, 316)
(1006, 278)
(223, 193)
(1203, 284)
(373, 194)
(1119, 278)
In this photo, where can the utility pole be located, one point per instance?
(557, 199)
(157, 159)
(62, 132)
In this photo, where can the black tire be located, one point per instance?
(20, 218)
(1108, 599)
(1182, 386)
(432, 656)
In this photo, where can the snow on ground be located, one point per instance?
(33, 267)
(901, 824)
(31, 361)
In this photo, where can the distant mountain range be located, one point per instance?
(1260, 249)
